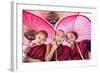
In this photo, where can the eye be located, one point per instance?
(39, 37)
(62, 36)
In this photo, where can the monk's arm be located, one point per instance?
(32, 44)
(49, 53)
(31, 60)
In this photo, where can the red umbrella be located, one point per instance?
(77, 23)
(37, 23)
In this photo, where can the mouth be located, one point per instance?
(71, 43)
(58, 41)
(39, 43)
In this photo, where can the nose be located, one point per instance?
(40, 41)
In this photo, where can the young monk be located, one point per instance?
(78, 49)
(56, 50)
(38, 49)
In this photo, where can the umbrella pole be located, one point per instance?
(56, 54)
(80, 52)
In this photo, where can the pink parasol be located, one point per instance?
(77, 23)
(37, 23)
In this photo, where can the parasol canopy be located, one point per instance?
(76, 23)
(36, 23)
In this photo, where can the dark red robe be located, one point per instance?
(75, 55)
(63, 53)
(37, 52)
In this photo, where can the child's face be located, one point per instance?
(59, 37)
(70, 38)
(40, 38)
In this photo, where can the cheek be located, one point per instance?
(42, 42)
(59, 38)
(56, 37)
(62, 39)
(73, 39)
(68, 41)
(36, 38)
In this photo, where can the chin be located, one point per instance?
(58, 43)
(39, 44)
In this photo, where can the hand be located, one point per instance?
(33, 60)
(55, 46)
(27, 49)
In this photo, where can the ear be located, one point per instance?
(74, 37)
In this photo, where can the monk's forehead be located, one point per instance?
(70, 34)
(41, 34)
(60, 32)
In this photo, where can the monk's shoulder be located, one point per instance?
(81, 43)
(43, 45)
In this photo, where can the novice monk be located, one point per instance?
(57, 51)
(78, 49)
(38, 49)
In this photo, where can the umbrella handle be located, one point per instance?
(80, 52)
(56, 54)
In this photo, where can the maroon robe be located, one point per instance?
(75, 55)
(63, 53)
(37, 52)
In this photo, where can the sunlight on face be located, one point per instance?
(59, 37)
(70, 38)
(40, 38)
